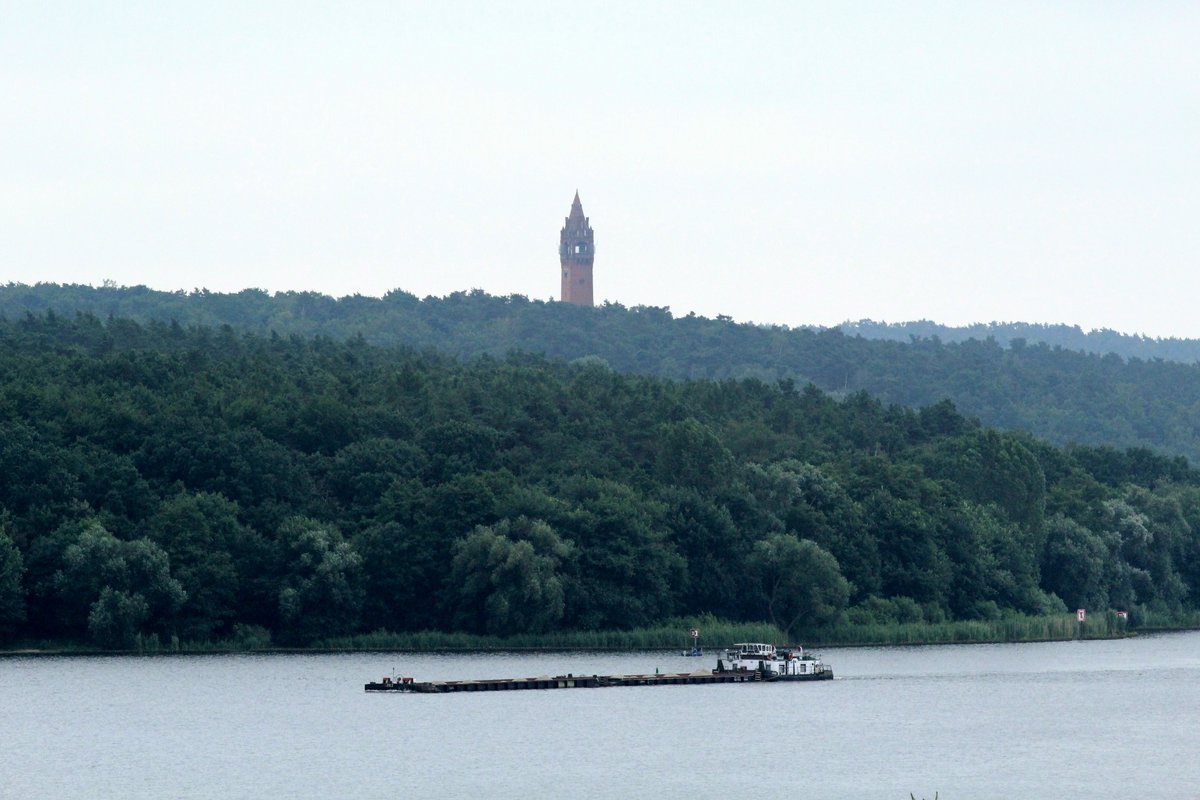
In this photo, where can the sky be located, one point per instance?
(789, 163)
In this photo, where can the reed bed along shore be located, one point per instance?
(716, 634)
(668, 635)
(1055, 627)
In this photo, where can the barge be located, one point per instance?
(747, 663)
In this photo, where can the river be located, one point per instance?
(1105, 719)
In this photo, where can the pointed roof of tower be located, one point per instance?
(576, 207)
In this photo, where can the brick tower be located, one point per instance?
(576, 249)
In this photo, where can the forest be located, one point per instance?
(1058, 394)
(186, 483)
(1067, 337)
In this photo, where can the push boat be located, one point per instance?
(776, 664)
(747, 663)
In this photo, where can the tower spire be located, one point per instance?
(576, 250)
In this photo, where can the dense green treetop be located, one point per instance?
(163, 480)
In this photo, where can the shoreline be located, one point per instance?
(59, 650)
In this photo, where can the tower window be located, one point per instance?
(578, 248)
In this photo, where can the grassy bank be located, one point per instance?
(670, 635)
(1170, 622)
(717, 634)
(1056, 627)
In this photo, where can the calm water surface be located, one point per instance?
(1060, 720)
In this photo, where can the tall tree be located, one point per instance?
(320, 576)
(213, 556)
(504, 578)
(800, 583)
(142, 596)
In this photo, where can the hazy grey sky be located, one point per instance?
(778, 162)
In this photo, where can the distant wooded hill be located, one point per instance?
(1068, 337)
(1056, 393)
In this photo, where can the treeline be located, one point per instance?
(162, 482)
(1056, 394)
(1068, 337)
